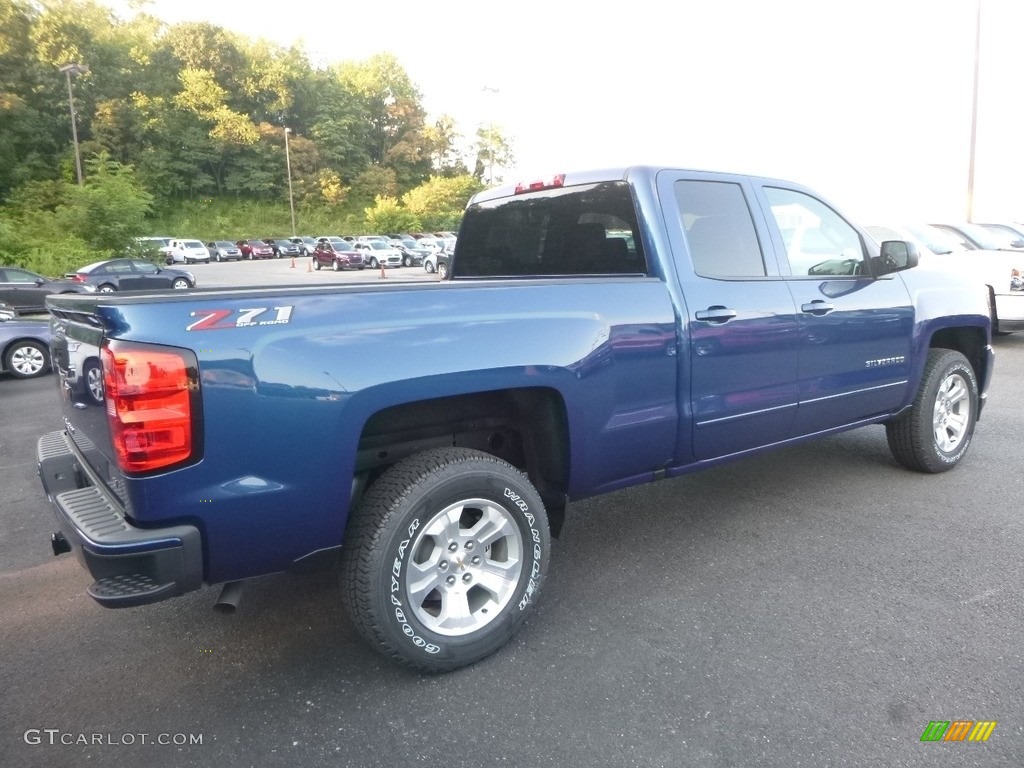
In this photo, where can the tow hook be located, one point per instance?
(59, 544)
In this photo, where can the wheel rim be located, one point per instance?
(465, 567)
(337, 266)
(27, 361)
(106, 289)
(94, 380)
(442, 271)
(180, 285)
(951, 415)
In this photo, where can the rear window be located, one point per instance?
(584, 230)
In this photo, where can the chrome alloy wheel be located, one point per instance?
(94, 380)
(951, 415)
(465, 567)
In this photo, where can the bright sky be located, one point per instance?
(868, 102)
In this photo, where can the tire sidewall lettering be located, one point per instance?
(401, 548)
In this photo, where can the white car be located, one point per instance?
(187, 252)
(378, 253)
(1001, 271)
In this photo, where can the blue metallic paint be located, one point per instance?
(284, 405)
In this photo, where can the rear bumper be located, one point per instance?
(131, 565)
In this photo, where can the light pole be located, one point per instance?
(974, 117)
(288, 162)
(69, 70)
(490, 136)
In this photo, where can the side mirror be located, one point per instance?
(898, 255)
(1017, 244)
(39, 281)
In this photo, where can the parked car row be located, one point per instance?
(985, 253)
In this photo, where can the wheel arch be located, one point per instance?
(527, 427)
(972, 343)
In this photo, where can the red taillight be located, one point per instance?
(534, 186)
(77, 278)
(148, 394)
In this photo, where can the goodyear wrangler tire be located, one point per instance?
(935, 433)
(444, 558)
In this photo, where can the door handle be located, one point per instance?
(817, 307)
(716, 314)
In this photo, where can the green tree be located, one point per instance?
(438, 203)
(110, 209)
(493, 153)
(387, 215)
(394, 116)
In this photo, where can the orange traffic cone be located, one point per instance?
(309, 265)
(293, 262)
(382, 272)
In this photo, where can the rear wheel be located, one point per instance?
(444, 557)
(934, 434)
(316, 265)
(27, 359)
(442, 270)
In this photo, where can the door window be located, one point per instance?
(818, 240)
(719, 230)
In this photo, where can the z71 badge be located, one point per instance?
(223, 319)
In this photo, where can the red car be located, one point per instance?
(336, 256)
(255, 249)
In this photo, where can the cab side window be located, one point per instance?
(720, 233)
(818, 240)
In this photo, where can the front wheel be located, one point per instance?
(442, 270)
(429, 267)
(316, 265)
(373, 263)
(181, 284)
(444, 557)
(336, 266)
(934, 434)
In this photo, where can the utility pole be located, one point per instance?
(69, 70)
(288, 162)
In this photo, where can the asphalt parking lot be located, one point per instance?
(291, 271)
(818, 606)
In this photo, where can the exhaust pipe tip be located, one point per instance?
(59, 544)
(230, 594)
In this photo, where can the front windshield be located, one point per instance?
(379, 246)
(991, 241)
(938, 242)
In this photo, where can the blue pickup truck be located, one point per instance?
(598, 330)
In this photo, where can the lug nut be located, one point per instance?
(452, 547)
(467, 578)
(443, 565)
(450, 581)
(469, 545)
(475, 560)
